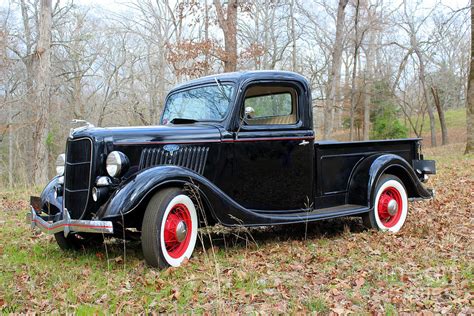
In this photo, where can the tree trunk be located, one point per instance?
(442, 121)
(257, 57)
(6, 98)
(206, 37)
(293, 36)
(10, 152)
(228, 23)
(345, 94)
(335, 72)
(354, 72)
(425, 92)
(368, 85)
(470, 94)
(268, 18)
(10, 135)
(43, 87)
(28, 61)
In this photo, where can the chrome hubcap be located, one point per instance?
(181, 231)
(392, 207)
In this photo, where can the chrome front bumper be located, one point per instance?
(68, 225)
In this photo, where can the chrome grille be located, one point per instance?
(77, 176)
(193, 158)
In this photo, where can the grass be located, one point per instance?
(318, 305)
(336, 267)
(455, 120)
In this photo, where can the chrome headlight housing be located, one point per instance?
(60, 163)
(116, 163)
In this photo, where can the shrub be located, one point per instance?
(384, 114)
(387, 126)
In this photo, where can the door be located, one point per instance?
(273, 149)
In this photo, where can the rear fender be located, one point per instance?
(366, 174)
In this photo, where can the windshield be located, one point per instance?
(209, 103)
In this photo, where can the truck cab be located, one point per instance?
(237, 149)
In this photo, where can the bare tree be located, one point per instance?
(42, 57)
(369, 70)
(357, 41)
(470, 94)
(361, 57)
(335, 71)
(442, 120)
(5, 84)
(413, 29)
(227, 19)
(293, 35)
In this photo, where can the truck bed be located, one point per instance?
(340, 158)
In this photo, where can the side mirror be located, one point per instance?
(249, 112)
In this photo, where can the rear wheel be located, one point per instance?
(390, 205)
(169, 228)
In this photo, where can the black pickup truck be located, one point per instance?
(236, 149)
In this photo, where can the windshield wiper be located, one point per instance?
(180, 120)
(222, 90)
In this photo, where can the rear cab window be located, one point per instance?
(270, 105)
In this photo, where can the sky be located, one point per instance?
(111, 4)
(115, 4)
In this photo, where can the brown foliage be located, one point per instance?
(189, 57)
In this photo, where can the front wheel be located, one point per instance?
(78, 241)
(169, 228)
(390, 205)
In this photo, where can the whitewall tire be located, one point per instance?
(169, 228)
(390, 205)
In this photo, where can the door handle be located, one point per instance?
(303, 143)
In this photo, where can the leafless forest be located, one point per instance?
(403, 63)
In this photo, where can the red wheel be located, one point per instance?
(169, 229)
(177, 230)
(390, 207)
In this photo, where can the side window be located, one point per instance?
(270, 105)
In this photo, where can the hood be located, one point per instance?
(188, 133)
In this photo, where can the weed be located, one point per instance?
(390, 310)
(317, 304)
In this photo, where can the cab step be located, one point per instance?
(317, 214)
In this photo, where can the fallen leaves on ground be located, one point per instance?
(330, 267)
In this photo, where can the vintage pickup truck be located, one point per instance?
(236, 149)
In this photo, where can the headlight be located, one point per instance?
(60, 162)
(116, 163)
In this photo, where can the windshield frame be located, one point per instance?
(203, 85)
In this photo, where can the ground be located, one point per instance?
(333, 266)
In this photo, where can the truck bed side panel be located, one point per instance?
(335, 162)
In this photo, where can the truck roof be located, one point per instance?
(244, 75)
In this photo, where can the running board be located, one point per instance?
(317, 214)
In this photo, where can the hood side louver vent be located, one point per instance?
(193, 158)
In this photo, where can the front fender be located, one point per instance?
(130, 195)
(366, 174)
(133, 194)
(50, 204)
